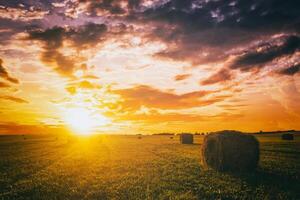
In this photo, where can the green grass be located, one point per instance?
(125, 167)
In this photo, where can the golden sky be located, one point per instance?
(142, 66)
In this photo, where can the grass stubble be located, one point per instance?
(124, 167)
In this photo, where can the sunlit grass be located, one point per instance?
(125, 167)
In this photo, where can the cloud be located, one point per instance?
(84, 36)
(8, 29)
(181, 77)
(4, 85)
(103, 8)
(58, 5)
(206, 31)
(21, 14)
(85, 85)
(14, 99)
(291, 70)
(155, 117)
(72, 90)
(266, 52)
(142, 95)
(203, 15)
(221, 76)
(5, 75)
(53, 41)
(90, 77)
(113, 7)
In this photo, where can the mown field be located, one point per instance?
(125, 167)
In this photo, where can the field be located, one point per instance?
(125, 167)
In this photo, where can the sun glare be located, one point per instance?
(83, 122)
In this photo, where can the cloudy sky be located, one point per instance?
(144, 66)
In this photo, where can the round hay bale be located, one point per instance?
(230, 151)
(186, 138)
(287, 136)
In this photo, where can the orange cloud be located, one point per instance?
(155, 117)
(181, 77)
(5, 75)
(142, 95)
(14, 99)
(86, 85)
(221, 76)
(4, 85)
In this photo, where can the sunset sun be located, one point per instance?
(83, 122)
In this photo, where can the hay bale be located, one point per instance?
(186, 138)
(171, 137)
(230, 151)
(287, 136)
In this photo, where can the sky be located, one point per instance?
(149, 66)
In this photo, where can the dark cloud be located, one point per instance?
(221, 76)
(9, 28)
(266, 52)
(193, 29)
(5, 75)
(202, 15)
(53, 41)
(83, 36)
(291, 70)
(52, 37)
(14, 99)
(16, 16)
(87, 35)
(200, 31)
(200, 46)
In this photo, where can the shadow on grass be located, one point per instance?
(276, 183)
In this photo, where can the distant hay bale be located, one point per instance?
(287, 136)
(230, 151)
(171, 137)
(186, 138)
